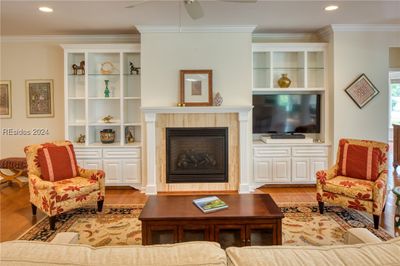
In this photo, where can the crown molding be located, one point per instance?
(365, 27)
(305, 37)
(131, 38)
(196, 29)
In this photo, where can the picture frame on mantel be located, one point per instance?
(361, 91)
(5, 99)
(39, 98)
(196, 87)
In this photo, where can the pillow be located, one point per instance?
(359, 161)
(57, 162)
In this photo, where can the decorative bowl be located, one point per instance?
(107, 136)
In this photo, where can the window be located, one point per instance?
(395, 98)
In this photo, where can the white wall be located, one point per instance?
(25, 61)
(355, 53)
(227, 54)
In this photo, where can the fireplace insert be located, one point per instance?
(197, 155)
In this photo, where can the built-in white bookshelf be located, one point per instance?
(306, 66)
(87, 103)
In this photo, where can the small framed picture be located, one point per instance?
(196, 87)
(5, 99)
(361, 91)
(39, 98)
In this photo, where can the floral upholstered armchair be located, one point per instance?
(57, 184)
(358, 179)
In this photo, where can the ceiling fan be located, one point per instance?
(193, 7)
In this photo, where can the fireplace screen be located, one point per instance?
(197, 155)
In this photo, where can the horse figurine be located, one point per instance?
(132, 69)
(81, 67)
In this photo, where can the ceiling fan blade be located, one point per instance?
(240, 1)
(194, 9)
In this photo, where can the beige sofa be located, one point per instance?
(63, 251)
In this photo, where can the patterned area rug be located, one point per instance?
(304, 225)
(118, 225)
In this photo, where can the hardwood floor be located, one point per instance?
(16, 216)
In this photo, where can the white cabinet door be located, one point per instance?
(281, 170)
(300, 170)
(112, 168)
(92, 164)
(262, 169)
(131, 171)
(317, 164)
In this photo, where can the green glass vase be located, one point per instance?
(106, 91)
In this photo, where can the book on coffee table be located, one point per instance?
(210, 204)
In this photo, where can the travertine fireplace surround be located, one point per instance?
(235, 118)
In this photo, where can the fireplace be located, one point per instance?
(197, 155)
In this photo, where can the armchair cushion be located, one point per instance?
(359, 161)
(350, 187)
(75, 188)
(57, 162)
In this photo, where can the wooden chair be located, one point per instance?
(57, 197)
(361, 194)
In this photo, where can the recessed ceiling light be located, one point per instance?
(45, 9)
(331, 8)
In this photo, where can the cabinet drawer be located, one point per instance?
(87, 153)
(121, 153)
(310, 151)
(272, 152)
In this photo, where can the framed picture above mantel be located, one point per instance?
(196, 87)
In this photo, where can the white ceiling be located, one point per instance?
(111, 17)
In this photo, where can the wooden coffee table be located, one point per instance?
(251, 219)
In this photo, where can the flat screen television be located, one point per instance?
(286, 113)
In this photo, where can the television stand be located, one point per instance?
(287, 139)
(288, 136)
(288, 161)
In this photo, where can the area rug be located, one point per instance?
(119, 225)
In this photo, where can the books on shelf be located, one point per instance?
(210, 204)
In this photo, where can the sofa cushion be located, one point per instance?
(40, 253)
(359, 161)
(384, 253)
(350, 187)
(57, 162)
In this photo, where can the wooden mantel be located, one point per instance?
(150, 115)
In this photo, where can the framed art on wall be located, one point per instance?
(5, 99)
(39, 98)
(196, 87)
(361, 91)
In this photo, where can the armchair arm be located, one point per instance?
(322, 176)
(42, 194)
(95, 176)
(379, 193)
(39, 183)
